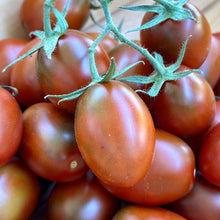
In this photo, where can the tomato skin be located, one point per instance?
(31, 13)
(19, 190)
(24, 77)
(182, 103)
(48, 145)
(81, 199)
(209, 156)
(115, 133)
(146, 213)
(170, 177)
(10, 48)
(168, 37)
(68, 69)
(11, 126)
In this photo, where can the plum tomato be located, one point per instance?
(68, 69)
(80, 200)
(11, 126)
(115, 133)
(19, 190)
(48, 145)
(168, 37)
(170, 177)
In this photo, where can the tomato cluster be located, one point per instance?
(113, 152)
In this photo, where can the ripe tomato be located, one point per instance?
(48, 145)
(68, 69)
(19, 190)
(80, 200)
(168, 37)
(115, 133)
(184, 107)
(11, 126)
(31, 13)
(24, 77)
(10, 48)
(146, 213)
(170, 177)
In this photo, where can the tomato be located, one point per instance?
(115, 133)
(146, 213)
(184, 107)
(11, 126)
(124, 56)
(81, 199)
(19, 190)
(170, 177)
(68, 69)
(48, 145)
(168, 37)
(217, 88)
(31, 13)
(201, 203)
(209, 156)
(24, 77)
(10, 48)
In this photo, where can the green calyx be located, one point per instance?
(11, 89)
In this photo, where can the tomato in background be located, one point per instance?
(115, 133)
(11, 126)
(170, 177)
(19, 190)
(48, 145)
(145, 213)
(31, 13)
(24, 77)
(80, 200)
(168, 37)
(68, 69)
(10, 48)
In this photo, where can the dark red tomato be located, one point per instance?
(209, 156)
(211, 66)
(146, 213)
(168, 37)
(24, 77)
(217, 88)
(124, 56)
(170, 177)
(48, 145)
(19, 190)
(31, 13)
(10, 48)
(80, 200)
(201, 203)
(184, 107)
(115, 133)
(11, 126)
(68, 69)
(108, 43)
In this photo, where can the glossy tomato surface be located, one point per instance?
(11, 126)
(170, 177)
(84, 199)
(115, 133)
(68, 69)
(168, 37)
(19, 190)
(48, 145)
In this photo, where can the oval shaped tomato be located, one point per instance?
(11, 126)
(80, 200)
(68, 69)
(115, 133)
(168, 37)
(19, 190)
(170, 177)
(31, 13)
(146, 213)
(48, 145)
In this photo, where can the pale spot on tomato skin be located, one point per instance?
(73, 164)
